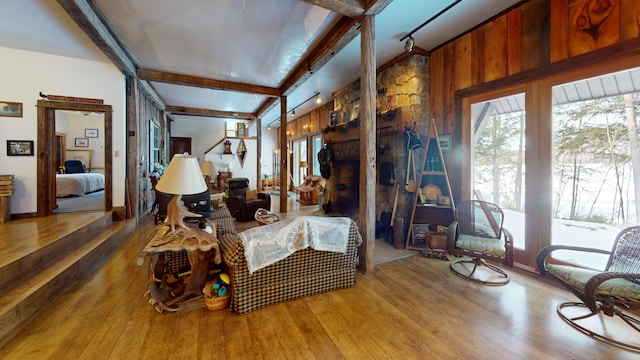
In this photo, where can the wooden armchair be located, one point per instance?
(614, 292)
(309, 190)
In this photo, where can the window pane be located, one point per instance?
(498, 158)
(317, 146)
(595, 144)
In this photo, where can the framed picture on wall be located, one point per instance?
(11, 109)
(241, 129)
(91, 133)
(355, 113)
(446, 141)
(419, 233)
(82, 142)
(19, 147)
(334, 117)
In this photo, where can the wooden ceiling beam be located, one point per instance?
(336, 39)
(341, 34)
(375, 7)
(182, 110)
(350, 8)
(92, 24)
(197, 81)
(266, 106)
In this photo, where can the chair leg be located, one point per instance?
(633, 322)
(458, 265)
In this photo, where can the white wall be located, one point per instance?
(206, 132)
(24, 74)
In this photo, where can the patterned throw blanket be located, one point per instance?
(265, 245)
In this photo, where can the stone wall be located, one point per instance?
(402, 103)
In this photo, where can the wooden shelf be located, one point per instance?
(427, 213)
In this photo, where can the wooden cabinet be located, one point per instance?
(433, 208)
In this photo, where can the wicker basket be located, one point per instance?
(213, 301)
(217, 302)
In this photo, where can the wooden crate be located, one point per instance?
(5, 209)
(437, 240)
(6, 185)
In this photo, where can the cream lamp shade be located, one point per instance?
(303, 164)
(182, 176)
(207, 168)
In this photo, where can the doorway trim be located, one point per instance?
(46, 151)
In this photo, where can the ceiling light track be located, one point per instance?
(408, 46)
(315, 96)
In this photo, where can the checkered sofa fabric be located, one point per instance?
(221, 213)
(225, 226)
(305, 272)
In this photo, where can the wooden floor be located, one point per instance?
(413, 308)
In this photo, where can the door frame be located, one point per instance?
(46, 151)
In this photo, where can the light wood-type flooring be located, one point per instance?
(412, 308)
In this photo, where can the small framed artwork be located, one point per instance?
(446, 142)
(82, 142)
(355, 112)
(91, 133)
(334, 117)
(419, 233)
(19, 147)
(12, 109)
(241, 129)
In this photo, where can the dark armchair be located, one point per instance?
(236, 199)
(609, 298)
(478, 239)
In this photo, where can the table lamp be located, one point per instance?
(208, 170)
(304, 165)
(182, 177)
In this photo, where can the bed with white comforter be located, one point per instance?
(78, 184)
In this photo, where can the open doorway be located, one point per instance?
(49, 149)
(79, 161)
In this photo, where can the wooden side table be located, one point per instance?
(168, 253)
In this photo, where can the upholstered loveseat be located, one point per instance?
(305, 272)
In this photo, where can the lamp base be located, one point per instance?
(176, 212)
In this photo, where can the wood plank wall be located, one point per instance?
(526, 40)
(146, 111)
(315, 121)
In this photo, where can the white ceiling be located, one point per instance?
(245, 41)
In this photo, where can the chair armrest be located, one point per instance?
(236, 204)
(508, 246)
(544, 253)
(266, 197)
(592, 285)
(452, 236)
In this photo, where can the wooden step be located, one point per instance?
(31, 281)
(29, 243)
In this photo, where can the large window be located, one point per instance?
(595, 148)
(299, 155)
(154, 146)
(317, 146)
(498, 159)
(560, 156)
